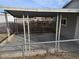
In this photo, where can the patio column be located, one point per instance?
(59, 32)
(28, 31)
(25, 39)
(7, 25)
(56, 43)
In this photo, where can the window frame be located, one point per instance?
(64, 18)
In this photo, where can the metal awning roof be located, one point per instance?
(36, 12)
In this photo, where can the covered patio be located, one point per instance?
(28, 42)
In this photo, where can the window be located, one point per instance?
(64, 21)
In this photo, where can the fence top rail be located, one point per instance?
(35, 43)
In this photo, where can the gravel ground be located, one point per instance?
(18, 39)
(50, 56)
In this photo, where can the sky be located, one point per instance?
(34, 3)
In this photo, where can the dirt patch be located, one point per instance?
(51, 56)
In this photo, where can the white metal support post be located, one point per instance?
(56, 43)
(59, 33)
(28, 31)
(7, 25)
(25, 39)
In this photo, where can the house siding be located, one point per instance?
(74, 5)
(68, 31)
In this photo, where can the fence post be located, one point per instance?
(25, 39)
(59, 33)
(28, 24)
(7, 26)
(56, 43)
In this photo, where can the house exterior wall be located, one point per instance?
(68, 31)
(75, 5)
